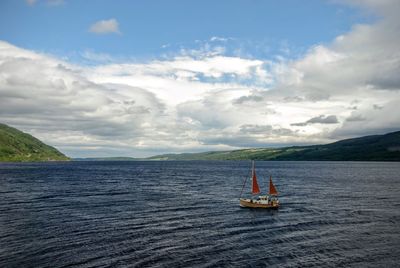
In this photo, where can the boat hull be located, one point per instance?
(249, 203)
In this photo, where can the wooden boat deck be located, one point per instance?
(249, 203)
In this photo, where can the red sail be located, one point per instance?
(254, 189)
(272, 189)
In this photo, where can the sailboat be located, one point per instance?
(262, 201)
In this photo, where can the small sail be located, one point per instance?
(254, 188)
(272, 189)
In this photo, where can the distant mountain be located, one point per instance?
(369, 148)
(18, 146)
(117, 158)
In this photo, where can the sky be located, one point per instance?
(139, 78)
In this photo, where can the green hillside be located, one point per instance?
(16, 146)
(370, 148)
(117, 158)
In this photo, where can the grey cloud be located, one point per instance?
(360, 130)
(242, 140)
(247, 135)
(318, 95)
(330, 119)
(245, 99)
(293, 99)
(378, 121)
(299, 124)
(355, 118)
(265, 130)
(214, 110)
(255, 129)
(43, 95)
(204, 112)
(388, 78)
(322, 119)
(234, 141)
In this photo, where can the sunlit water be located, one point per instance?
(185, 214)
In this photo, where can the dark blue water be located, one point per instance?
(185, 214)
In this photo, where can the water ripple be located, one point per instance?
(185, 214)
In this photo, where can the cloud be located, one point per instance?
(377, 107)
(105, 27)
(330, 119)
(46, 96)
(265, 130)
(355, 118)
(183, 78)
(379, 121)
(220, 39)
(198, 100)
(322, 119)
(48, 2)
(248, 99)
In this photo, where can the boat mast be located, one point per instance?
(244, 184)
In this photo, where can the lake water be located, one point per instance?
(185, 214)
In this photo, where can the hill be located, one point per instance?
(17, 146)
(369, 148)
(116, 158)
